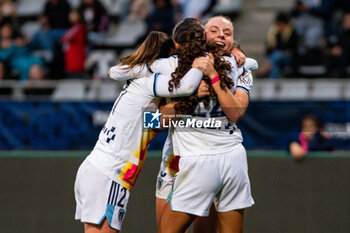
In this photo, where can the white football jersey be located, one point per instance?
(162, 65)
(216, 134)
(122, 144)
(121, 73)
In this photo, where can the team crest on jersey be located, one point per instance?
(151, 119)
(121, 215)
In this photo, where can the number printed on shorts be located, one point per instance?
(121, 201)
(117, 195)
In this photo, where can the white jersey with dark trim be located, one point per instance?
(161, 65)
(121, 148)
(209, 131)
(167, 66)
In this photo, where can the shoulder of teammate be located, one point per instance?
(164, 65)
(234, 73)
(251, 64)
(123, 72)
(243, 74)
(232, 60)
(245, 82)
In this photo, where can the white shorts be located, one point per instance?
(99, 197)
(202, 179)
(164, 184)
(168, 168)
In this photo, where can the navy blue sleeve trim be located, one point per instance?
(154, 84)
(244, 89)
(149, 68)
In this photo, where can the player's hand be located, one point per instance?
(239, 55)
(205, 64)
(203, 89)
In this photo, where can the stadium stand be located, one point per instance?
(69, 90)
(99, 61)
(264, 90)
(227, 7)
(127, 34)
(30, 8)
(103, 91)
(124, 33)
(347, 91)
(325, 90)
(293, 90)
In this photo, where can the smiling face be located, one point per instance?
(220, 31)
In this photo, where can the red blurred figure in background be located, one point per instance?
(75, 45)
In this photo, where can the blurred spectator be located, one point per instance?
(96, 19)
(343, 5)
(140, 8)
(74, 44)
(7, 12)
(15, 54)
(162, 17)
(311, 138)
(281, 45)
(2, 71)
(199, 9)
(56, 12)
(340, 52)
(54, 22)
(313, 20)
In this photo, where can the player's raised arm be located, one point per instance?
(233, 105)
(123, 72)
(188, 84)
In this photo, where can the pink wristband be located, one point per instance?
(214, 80)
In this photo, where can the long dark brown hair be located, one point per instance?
(156, 45)
(190, 35)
